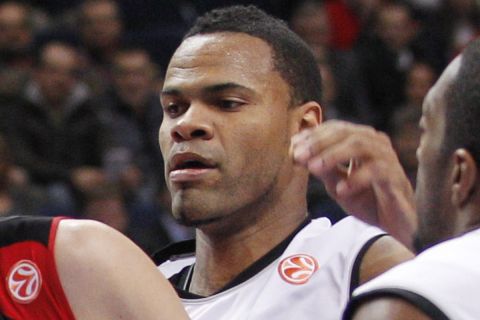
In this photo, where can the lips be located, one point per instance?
(184, 167)
(181, 161)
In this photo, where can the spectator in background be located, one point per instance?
(385, 59)
(451, 28)
(101, 29)
(16, 37)
(55, 132)
(425, 8)
(405, 131)
(106, 203)
(16, 34)
(133, 115)
(365, 12)
(100, 32)
(345, 25)
(310, 20)
(420, 79)
(17, 195)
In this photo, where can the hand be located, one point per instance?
(361, 171)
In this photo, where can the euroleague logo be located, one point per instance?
(24, 281)
(298, 268)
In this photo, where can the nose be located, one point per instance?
(193, 124)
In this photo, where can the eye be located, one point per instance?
(230, 104)
(173, 109)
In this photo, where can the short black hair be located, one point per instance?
(292, 57)
(463, 105)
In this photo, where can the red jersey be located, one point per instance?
(30, 288)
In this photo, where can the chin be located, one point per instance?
(197, 223)
(191, 216)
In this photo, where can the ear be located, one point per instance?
(307, 116)
(464, 177)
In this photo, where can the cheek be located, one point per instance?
(251, 151)
(164, 138)
(262, 141)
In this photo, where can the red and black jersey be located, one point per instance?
(30, 287)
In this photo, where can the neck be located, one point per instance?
(225, 250)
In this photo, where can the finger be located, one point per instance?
(330, 181)
(300, 136)
(299, 146)
(330, 134)
(344, 157)
(303, 141)
(359, 181)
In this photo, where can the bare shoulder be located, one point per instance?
(100, 270)
(89, 240)
(383, 254)
(388, 308)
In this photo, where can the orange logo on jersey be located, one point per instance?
(298, 268)
(24, 281)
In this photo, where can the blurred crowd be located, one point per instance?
(79, 83)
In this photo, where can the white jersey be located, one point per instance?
(310, 279)
(442, 281)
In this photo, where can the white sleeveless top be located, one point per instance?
(310, 280)
(443, 281)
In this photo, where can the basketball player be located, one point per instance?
(76, 269)
(442, 281)
(237, 89)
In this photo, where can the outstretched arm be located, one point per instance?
(106, 276)
(361, 171)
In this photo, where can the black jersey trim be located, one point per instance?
(178, 280)
(2, 317)
(422, 303)
(174, 251)
(24, 228)
(267, 259)
(355, 276)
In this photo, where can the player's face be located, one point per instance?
(226, 128)
(435, 212)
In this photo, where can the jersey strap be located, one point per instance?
(413, 298)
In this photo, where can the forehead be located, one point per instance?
(94, 9)
(131, 58)
(221, 57)
(12, 13)
(435, 100)
(59, 55)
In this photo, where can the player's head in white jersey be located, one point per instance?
(449, 153)
(238, 88)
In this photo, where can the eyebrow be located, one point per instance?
(211, 89)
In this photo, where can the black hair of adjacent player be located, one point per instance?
(462, 112)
